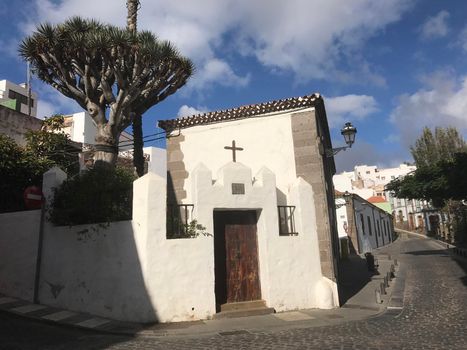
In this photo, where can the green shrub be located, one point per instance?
(18, 170)
(98, 195)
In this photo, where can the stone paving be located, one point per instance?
(434, 317)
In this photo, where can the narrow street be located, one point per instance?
(434, 317)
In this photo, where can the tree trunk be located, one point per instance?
(138, 155)
(132, 6)
(106, 147)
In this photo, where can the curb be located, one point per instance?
(461, 252)
(396, 301)
(66, 318)
(83, 321)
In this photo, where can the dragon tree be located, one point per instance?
(114, 74)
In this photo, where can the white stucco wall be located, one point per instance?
(265, 144)
(130, 271)
(157, 160)
(342, 182)
(95, 269)
(289, 266)
(19, 234)
(378, 237)
(341, 217)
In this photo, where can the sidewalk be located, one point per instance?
(357, 287)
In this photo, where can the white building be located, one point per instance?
(16, 97)
(368, 181)
(365, 225)
(80, 127)
(258, 179)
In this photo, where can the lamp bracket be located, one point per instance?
(333, 151)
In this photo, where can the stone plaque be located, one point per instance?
(238, 188)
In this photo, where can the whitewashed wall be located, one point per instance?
(130, 271)
(265, 144)
(95, 269)
(19, 233)
(373, 233)
(290, 268)
(341, 217)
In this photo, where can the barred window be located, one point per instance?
(286, 220)
(178, 218)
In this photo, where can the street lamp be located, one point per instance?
(349, 132)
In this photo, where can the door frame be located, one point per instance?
(220, 262)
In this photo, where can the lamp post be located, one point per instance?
(349, 132)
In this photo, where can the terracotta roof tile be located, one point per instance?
(376, 199)
(241, 112)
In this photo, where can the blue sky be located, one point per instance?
(390, 67)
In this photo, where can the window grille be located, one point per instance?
(286, 220)
(179, 217)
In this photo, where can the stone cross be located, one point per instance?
(234, 149)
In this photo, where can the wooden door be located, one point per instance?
(236, 253)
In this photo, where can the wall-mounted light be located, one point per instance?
(349, 132)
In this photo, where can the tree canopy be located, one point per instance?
(431, 147)
(21, 167)
(112, 73)
(441, 160)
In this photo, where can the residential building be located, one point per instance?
(364, 225)
(370, 181)
(14, 118)
(18, 98)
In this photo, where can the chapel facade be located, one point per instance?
(258, 181)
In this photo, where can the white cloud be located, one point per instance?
(9, 47)
(341, 108)
(442, 101)
(436, 26)
(186, 111)
(392, 138)
(310, 38)
(216, 71)
(462, 41)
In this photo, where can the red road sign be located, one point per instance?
(33, 197)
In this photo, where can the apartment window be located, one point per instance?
(363, 223)
(19, 97)
(369, 226)
(368, 172)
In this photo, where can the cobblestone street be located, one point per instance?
(434, 317)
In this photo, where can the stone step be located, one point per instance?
(243, 305)
(244, 313)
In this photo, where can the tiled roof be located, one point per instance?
(376, 199)
(241, 112)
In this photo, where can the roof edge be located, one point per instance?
(241, 112)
